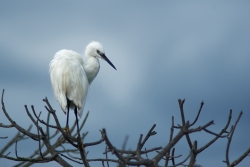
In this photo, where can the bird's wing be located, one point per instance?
(68, 79)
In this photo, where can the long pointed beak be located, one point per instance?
(107, 60)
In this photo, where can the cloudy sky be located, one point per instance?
(197, 50)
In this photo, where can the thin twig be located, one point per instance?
(6, 126)
(230, 139)
(219, 134)
(181, 103)
(106, 149)
(202, 103)
(16, 147)
(19, 128)
(170, 139)
(71, 159)
(39, 143)
(172, 154)
(125, 143)
(138, 150)
(150, 133)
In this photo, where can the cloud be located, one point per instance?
(162, 51)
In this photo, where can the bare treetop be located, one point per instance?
(56, 151)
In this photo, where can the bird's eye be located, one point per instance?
(98, 51)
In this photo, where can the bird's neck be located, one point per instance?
(91, 68)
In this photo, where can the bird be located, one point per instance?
(71, 77)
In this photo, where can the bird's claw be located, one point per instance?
(66, 129)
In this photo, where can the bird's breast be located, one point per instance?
(92, 68)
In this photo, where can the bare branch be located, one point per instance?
(65, 135)
(125, 143)
(134, 152)
(182, 162)
(181, 102)
(106, 149)
(19, 128)
(193, 154)
(132, 163)
(218, 136)
(237, 161)
(4, 137)
(138, 150)
(170, 139)
(93, 143)
(202, 103)
(230, 139)
(167, 148)
(150, 133)
(13, 140)
(172, 155)
(71, 159)
(136, 157)
(6, 126)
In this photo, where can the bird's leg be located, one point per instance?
(68, 104)
(67, 122)
(78, 130)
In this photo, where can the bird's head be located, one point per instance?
(95, 49)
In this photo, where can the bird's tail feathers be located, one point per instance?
(80, 112)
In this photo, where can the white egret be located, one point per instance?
(71, 77)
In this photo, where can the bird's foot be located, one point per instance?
(66, 129)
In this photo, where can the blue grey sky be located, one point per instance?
(197, 50)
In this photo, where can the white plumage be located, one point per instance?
(71, 77)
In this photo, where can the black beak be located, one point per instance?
(107, 60)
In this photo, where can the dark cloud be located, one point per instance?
(162, 51)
